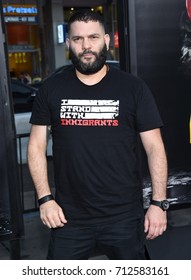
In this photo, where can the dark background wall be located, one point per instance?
(158, 48)
(11, 220)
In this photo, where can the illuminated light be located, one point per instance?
(92, 9)
(188, 7)
(20, 58)
(100, 9)
(61, 33)
(72, 9)
(16, 58)
(116, 40)
(24, 57)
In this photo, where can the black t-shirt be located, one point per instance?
(95, 131)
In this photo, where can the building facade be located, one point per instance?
(33, 29)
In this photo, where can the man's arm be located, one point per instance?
(155, 218)
(50, 212)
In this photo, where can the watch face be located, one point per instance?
(165, 204)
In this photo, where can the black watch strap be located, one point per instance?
(45, 199)
(164, 204)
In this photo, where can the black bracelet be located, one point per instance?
(45, 199)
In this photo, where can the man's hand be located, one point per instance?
(155, 222)
(52, 215)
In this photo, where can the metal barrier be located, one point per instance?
(28, 193)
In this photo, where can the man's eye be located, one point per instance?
(77, 39)
(94, 37)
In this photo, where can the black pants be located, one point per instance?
(123, 240)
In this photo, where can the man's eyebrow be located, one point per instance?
(80, 36)
(76, 36)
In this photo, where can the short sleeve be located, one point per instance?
(41, 113)
(148, 116)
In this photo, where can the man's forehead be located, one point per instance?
(89, 26)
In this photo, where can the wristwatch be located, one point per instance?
(164, 204)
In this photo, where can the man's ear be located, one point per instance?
(107, 40)
(67, 43)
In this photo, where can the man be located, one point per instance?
(96, 113)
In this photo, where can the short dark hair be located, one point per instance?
(85, 15)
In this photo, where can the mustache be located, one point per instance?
(87, 52)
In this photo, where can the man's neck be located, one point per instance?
(92, 79)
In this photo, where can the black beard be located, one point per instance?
(92, 67)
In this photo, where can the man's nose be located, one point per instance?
(86, 44)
